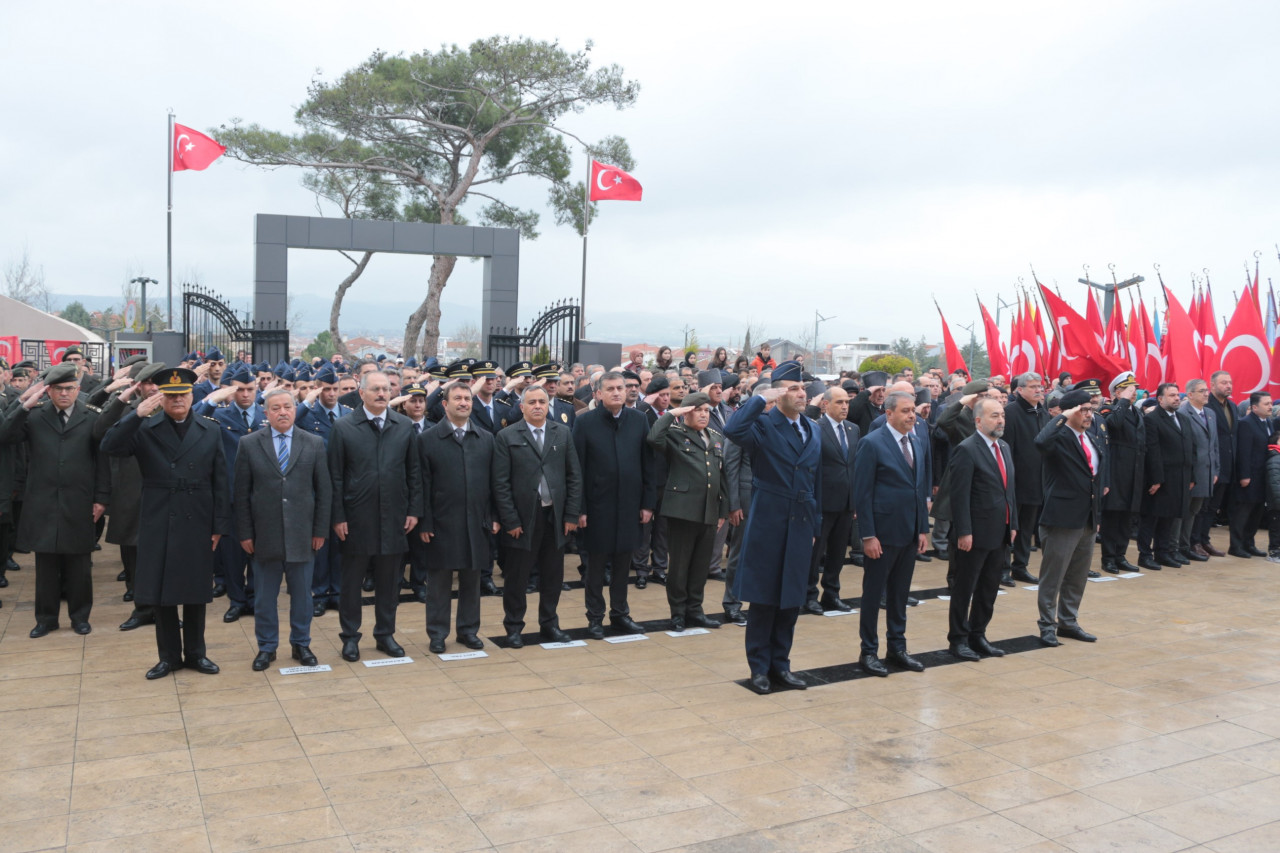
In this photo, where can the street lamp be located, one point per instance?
(818, 318)
(143, 281)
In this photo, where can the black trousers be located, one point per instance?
(177, 645)
(619, 581)
(653, 553)
(770, 632)
(417, 554)
(1204, 521)
(1245, 518)
(1028, 520)
(440, 600)
(1115, 529)
(61, 576)
(890, 574)
(129, 556)
(237, 571)
(1156, 536)
(386, 594)
(828, 555)
(543, 559)
(974, 590)
(688, 564)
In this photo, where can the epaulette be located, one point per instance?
(92, 407)
(212, 420)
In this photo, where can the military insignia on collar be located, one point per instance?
(504, 421)
(564, 416)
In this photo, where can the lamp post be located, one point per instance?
(143, 281)
(818, 318)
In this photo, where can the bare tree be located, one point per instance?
(24, 281)
(752, 338)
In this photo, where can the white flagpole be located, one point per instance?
(168, 166)
(586, 207)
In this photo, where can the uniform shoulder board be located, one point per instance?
(41, 403)
(92, 407)
(211, 420)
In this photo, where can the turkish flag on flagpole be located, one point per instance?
(609, 183)
(193, 150)
(950, 350)
(1179, 344)
(1245, 353)
(995, 350)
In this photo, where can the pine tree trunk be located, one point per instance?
(336, 308)
(428, 312)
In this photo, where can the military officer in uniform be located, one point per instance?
(67, 491)
(186, 509)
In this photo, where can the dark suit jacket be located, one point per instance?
(1022, 425)
(517, 468)
(983, 504)
(1251, 457)
(1072, 492)
(282, 511)
(891, 498)
(316, 420)
(617, 477)
(503, 415)
(377, 481)
(458, 496)
(233, 429)
(837, 466)
(1226, 438)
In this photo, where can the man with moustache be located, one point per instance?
(1169, 464)
(1127, 446)
(1024, 417)
(317, 414)
(984, 522)
(839, 451)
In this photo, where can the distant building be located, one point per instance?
(848, 356)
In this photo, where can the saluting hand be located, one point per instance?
(680, 412)
(313, 394)
(772, 395)
(149, 405)
(399, 401)
(32, 395)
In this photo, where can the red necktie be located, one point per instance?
(1004, 477)
(1088, 457)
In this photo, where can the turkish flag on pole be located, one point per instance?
(1210, 343)
(1153, 361)
(953, 356)
(1244, 353)
(995, 350)
(609, 183)
(1179, 344)
(9, 349)
(193, 150)
(1081, 346)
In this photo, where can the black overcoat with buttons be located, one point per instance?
(185, 501)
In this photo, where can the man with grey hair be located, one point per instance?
(839, 449)
(1204, 476)
(1024, 417)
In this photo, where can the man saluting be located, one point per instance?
(186, 509)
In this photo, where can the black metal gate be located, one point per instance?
(553, 337)
(209, 322)
(47, 353)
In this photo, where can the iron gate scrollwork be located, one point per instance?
(44, 355)
(208, 322)
(552, 338)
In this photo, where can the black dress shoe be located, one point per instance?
(872, 664)
(1255, 552)
(1025, 576)
(1006, 579)
(515, 641)
(4, 581)
(833, 603)
(564, 587)
(420, 595)
(812, 607)
(1048, 637)
(641, 581)
(1149, 563)
(963, 652)
(39, 631)
(134, 622)
(923, 558)
(1193, 557)
(317, 609)
(659, 577)
(219, 590)
(554, 635)
(161, 669)
(1125, 566)
(760, 683)
(128, 595)
(1094, 574)
(471, 641)
(263, 660)
(912, 601)
(1235, 552)
(856, 559)
(736, 616)
(1075, 632)
(304, 656)
(123, 576)
(1169, 562)
(944, 555)
(487, 587)
(982, 647)
(82, 628)
(367, 585)
(626, 624)
(717, 575)
(701, 621)
(595, 629)
(904, 660)
(351, 650)
(530, 588)
(1110, 568)
(233, 613)
(11, 566)
(203, 666)
(677, 624)
(789, 679)
(389, 647)
(436, 647)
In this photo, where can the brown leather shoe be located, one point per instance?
(1211, 551)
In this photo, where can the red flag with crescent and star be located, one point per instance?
(193, 150)
(609, 183)
(1245, 353)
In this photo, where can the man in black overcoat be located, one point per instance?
(1127, 446)
(377, 499)
(618, 497)
(66, 493)
(458, 515)
(1252, 434)
(839, 440)
(1024, 417)
(1169, 461)
(186, 509)
(537, 487)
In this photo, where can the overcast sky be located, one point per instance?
(854, 160)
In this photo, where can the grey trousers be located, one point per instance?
(731, 601)
(941, 528)
(1184, 527)
(1064, 570)
(717, 547)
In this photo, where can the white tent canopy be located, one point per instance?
(19, 318)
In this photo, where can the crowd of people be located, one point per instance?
(219, 477)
